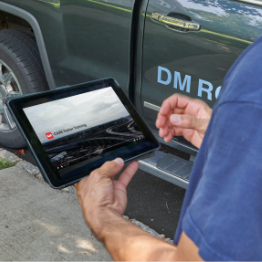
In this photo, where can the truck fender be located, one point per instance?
(38, 35)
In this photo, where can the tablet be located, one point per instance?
(72, 131)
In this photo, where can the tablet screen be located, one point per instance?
(84, 130)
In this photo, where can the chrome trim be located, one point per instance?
(9, 87)
(162, 174)
(176, 22)
(151, 106)
(252, 2)
(176, 144)
(185, 146)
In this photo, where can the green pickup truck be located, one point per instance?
(153, 48)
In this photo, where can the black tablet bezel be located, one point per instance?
(16, 105)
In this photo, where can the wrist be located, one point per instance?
(100, 219)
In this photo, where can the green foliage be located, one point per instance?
(5, 164)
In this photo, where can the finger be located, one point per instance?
(168, 131)
(177, 131)
(174, 104)
(168, 105)
(168, 137)
(174, 101)
(197, 107)
(111, 168)
(186, 121)
(163, 131)
(161, 120)
(127, 175)
(178, 111)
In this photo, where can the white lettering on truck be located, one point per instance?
(165, 77)
(159, 77)
(178, 82)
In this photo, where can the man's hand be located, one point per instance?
(99, 191)
(183, 116)
(103, 201)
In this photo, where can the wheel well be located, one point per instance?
(12, 17)
(9, 21)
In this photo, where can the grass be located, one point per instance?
(5, 164)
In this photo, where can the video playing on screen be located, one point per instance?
(81, 129)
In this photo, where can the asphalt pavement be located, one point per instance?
(151, 200)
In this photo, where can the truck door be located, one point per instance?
(97, 34)
(188, 47)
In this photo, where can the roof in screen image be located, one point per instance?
(90, 109)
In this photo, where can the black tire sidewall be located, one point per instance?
(14, 139)
(12, 62)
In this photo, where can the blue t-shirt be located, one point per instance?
(222, 210)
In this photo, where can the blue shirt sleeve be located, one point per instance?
(224, 217)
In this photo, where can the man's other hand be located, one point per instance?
(183, 116)
(100, 191)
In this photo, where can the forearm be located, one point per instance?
(127, 242)
(103, 199)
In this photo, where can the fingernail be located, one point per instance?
(175, 119)
(119, 161)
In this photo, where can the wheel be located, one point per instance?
(21, 72)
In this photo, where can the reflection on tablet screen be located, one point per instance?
(85, 130)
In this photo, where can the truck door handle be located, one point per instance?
(171, 21)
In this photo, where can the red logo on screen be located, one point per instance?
(49, 135)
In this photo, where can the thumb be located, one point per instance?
(188, 122)
(111, 168)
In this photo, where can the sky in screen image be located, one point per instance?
(90, 109)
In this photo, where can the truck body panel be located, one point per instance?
(193, 63)
(84, 40)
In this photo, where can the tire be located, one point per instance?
(19, 61)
